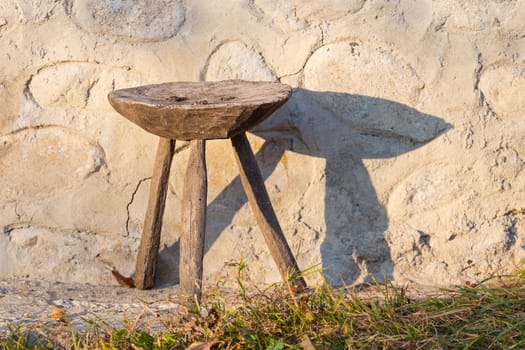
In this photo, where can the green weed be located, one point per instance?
(490, 315)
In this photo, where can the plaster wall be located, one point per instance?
(401, 152)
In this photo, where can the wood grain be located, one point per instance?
(253, 184)
(193, 222)
(199, 110)
(150, 240)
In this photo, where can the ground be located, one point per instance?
(26, 301)
(23, 302)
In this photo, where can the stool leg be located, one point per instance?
(150, 240)
(253, 184)
(193, 222)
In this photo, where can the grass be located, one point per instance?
(490, 315)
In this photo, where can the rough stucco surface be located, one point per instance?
(401, 152)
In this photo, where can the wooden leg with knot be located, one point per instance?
(150, 240)
(193, 222)
(253, 184)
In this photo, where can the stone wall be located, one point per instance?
(401, 152)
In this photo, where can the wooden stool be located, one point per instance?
(199, 111)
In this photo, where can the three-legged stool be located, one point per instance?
(200, 111)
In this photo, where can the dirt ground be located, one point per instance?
(27, 301)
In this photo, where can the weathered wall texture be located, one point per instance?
(401, 152)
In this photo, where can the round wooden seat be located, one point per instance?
(199, 110)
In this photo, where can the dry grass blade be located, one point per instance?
(486, 316)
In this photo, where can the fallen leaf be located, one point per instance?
(201, 346)
(58, 314)
(123, 281)
(306, 343)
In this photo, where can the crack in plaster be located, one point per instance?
(88, 91)
(315, 47)
(128, 218)
(18, 215)
(477, 77)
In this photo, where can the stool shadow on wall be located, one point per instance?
(341, 129)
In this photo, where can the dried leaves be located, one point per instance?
(58, 314)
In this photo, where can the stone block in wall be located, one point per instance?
(144, 20)
(234, 60)
(503, 87)
(398, 154)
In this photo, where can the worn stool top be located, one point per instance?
(199, 110)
